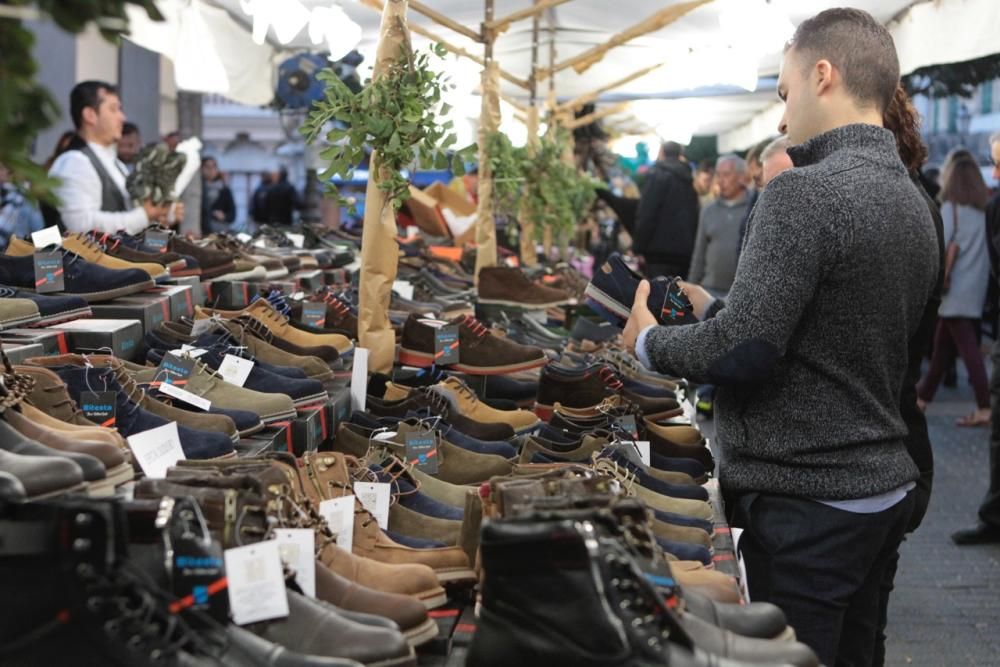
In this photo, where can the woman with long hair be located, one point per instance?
(964, 196)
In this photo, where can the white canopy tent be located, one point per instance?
(718, 60)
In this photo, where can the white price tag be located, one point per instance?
(256, 583)
(359, 379)
(297, 547)
(643, 447)
(375, 497)
(243, 237)
(201, 326)
(403, 288)
(46, 237)
(385, 435)
(339, 515)
(191, 351)
(157, 449)
(235, 370)
(185, 395)
(298, 240)
(737, 533)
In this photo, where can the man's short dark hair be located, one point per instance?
(858, 46)
(672, 149)
(87, 94)
(753, 155)
(129, 128)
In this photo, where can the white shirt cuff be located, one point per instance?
(640, 348)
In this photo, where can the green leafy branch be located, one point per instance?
(395, 114)
(505, 169)
(556, 195)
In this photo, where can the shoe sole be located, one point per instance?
(59, 492)
(456, 575)
(433, 598)
(120, 474)
(524, 306)
(216, 271)
(65, 316)
(256, 272)
(253, 429)
(278, 417)
(421, 634)
(28, 320)
(316, 400)
(423, 360)
(107, 295)
(185, 273)
(606, 305)
(276, 273)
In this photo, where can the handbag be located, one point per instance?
(952, 251)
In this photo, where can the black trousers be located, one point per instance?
(823, 567)
(989, 511)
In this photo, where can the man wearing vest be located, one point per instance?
(92, 191)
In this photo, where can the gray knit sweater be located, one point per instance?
(810, 349)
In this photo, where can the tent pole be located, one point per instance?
(502, 23)
(581, 100)
(489, 122)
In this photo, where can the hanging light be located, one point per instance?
(333, 25)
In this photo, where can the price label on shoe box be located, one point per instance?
(256, 583)
(627, 424)
(157, 449)
(339, 516)
(99, 407)
(235, 370)
(375, 497)
(49, 272)
(157, 241)
(297, 547)
(446, 345)
(49, 236)
(174, 369)
(314, 314)
(421, 452)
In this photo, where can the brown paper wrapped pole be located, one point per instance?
(529, 255)
(489, 122)
(379, 250)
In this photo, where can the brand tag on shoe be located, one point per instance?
(186, 396)
(256, 583)
(403, 288)
(174, 369)
(297, 547)
(197, 575)
(156, 241)
(46, 237)
(446, 345)
(298, 240)
(627, 424)
(642, 446)
(235, 370)
(339, 515)
(375, 497)
(49, 272)
(359, 379)
(421, 452)
(157, 449)
(314, 314)
(193, 352)
(99, 407)
(201, 326)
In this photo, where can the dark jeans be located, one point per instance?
(989, 511)
(956, 333)
(823, 567)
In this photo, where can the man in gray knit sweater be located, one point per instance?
(810, 349)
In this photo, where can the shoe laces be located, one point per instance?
(610, 378)
(474, 325)
(338, 306)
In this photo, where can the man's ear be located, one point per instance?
(90, 115)
(823, 76)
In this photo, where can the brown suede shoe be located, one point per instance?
(468, 404)
(506, 286)
(281, 327)
(479, 351)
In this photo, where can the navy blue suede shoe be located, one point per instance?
(410, 497)
(414, 542)
(81, 278)
(161, 341)
(611, 293)
(646, 480)
(53, 308)
(685, 551)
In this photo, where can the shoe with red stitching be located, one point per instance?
(480, 352)
(178, 264)
(587, 388)
(611, 293)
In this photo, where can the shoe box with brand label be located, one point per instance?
(194, 282)
(122, 338)
(228, 294)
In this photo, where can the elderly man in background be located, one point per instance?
(717, 243)
(774, 160)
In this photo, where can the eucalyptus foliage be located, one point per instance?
(395, 115)
(156, 171)
(556, 195)
(505, 164)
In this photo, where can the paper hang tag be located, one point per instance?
(156, 241)
(201, 326)
(375, 497)
(191, 351)
(298, 240)
(628, 425)
(235, 370)
(314, 314)
(49, 272)
(157, 449)
(47, 237)
(99, 406)
(446, 345)
(642, 446)
(359, 379)
(297, 547)
(174, 369)
(421, 452)
(386, 435)
(256, 583)
(403, 288)
(197, 575)
(186, 396)
(243, 237)
(339, 516)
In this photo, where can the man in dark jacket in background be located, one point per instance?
(667, 219)
(282, 200)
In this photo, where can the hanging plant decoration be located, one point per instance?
(396, 116)
(156, 171)
(505, 168)
(556, 195)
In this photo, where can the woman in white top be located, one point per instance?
(963, 202)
